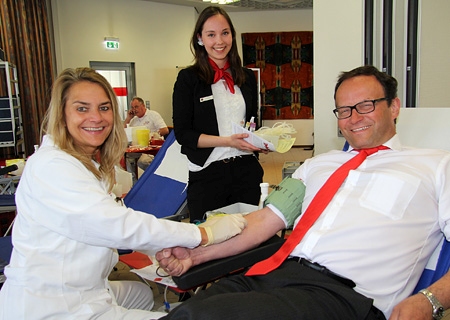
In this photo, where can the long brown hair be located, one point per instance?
(111, 151)
(201, 63)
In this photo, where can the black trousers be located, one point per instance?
(223, 183)
(292, 291)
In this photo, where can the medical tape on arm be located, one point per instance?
(288, 198)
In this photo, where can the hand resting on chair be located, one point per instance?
(261, 225)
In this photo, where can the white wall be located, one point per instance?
(422, 127)
(434, 65)
(338, 46)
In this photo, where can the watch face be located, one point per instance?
(438, 313)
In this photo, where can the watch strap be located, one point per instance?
(438, 308)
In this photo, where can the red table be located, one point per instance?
(151, 149)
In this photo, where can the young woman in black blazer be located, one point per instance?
(208, 97)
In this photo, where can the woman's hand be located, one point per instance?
(237, 141)
(222, 227)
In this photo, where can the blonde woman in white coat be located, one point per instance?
(69, 225)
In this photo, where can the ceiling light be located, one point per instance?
(221, 1)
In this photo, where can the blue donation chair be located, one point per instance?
(8, 185)
(437, 266)
(5, 254)
(161, 190)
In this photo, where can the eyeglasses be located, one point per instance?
(363, 107)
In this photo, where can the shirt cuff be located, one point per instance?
(278, 213)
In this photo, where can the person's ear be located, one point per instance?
(395, 107)
(199, 41)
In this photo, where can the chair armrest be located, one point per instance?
(215, 269)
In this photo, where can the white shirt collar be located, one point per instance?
(393, 144)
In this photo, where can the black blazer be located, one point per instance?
(194, 115)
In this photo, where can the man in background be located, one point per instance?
(137, 116)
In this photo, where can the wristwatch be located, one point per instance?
(438, 309)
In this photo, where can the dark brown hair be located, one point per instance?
(388, 82)
(201, 63)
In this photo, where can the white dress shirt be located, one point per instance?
(385, 220)
(230, 107)
(151, 119)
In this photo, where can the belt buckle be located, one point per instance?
(318, 267)
(324, 270)
(312, 265)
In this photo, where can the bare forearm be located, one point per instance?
(163, 131)
(262, 225)
(128, 119)
(209, 141)
(234, 141)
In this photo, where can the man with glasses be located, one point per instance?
(363, 107)
(363, 256)
(138, 115)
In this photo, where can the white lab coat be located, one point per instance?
(65, 238)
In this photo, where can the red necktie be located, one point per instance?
(221, 73)
(315, 208)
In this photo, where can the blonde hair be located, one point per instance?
(54, 124)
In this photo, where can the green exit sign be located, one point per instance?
(112, 43)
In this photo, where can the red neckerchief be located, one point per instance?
(221, 73)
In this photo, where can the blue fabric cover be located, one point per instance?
(7, 200)
(443, 264)
(154, 194)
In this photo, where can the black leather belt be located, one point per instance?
(231, 159)
(324, 270)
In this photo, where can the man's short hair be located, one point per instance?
(388, 82)
(141, 101)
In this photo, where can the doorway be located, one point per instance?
(121, 76)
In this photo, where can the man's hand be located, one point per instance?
(416, 307)
(175, 261)
(130, 115)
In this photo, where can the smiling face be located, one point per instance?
(217, 39)
(88, 115)
(371, 129)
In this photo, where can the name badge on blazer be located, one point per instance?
(203, 99)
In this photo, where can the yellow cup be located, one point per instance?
(143, 137)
